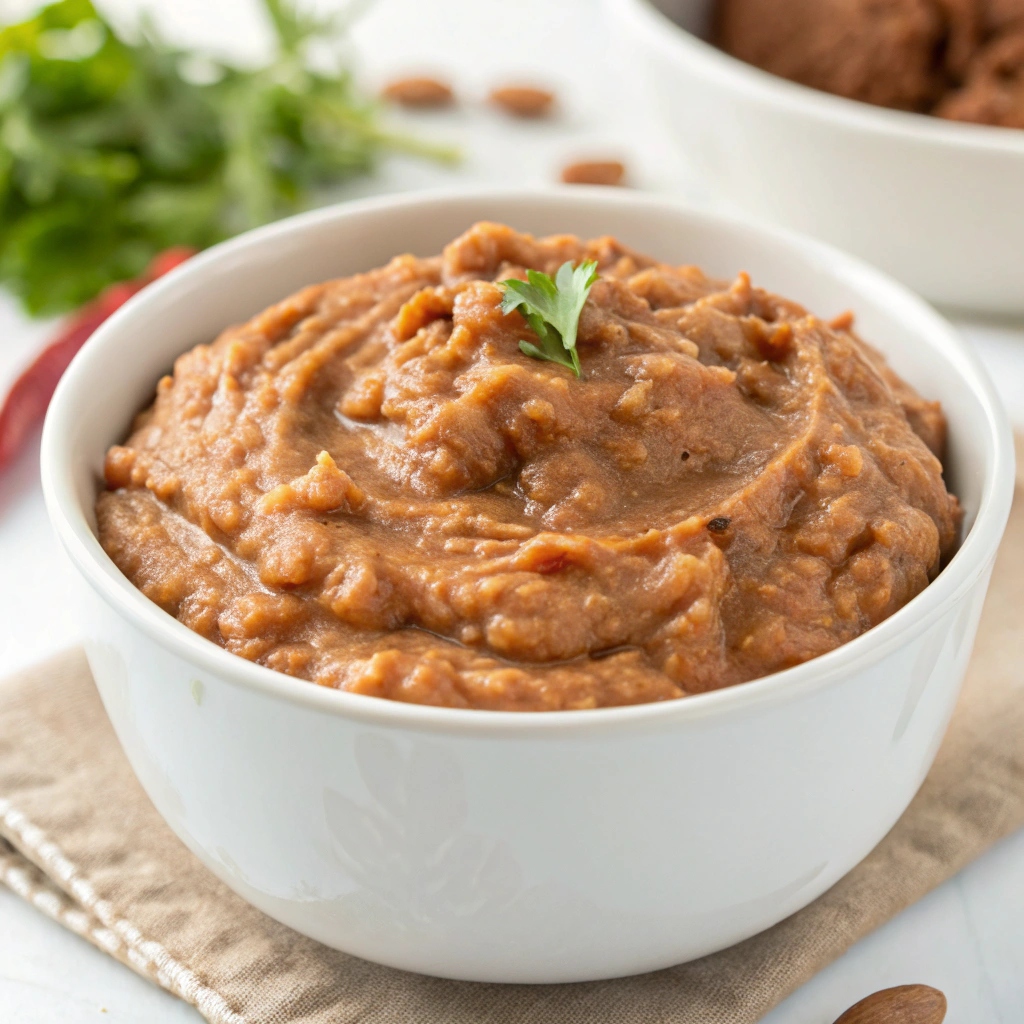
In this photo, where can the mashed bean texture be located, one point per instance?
(369, 486)
(958, 59)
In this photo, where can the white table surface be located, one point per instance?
(966, 938)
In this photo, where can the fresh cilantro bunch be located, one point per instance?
(552, 309)
(112, 150)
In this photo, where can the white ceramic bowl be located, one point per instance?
(523, 847)
(939, 205)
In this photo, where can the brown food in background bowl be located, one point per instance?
(959, 59)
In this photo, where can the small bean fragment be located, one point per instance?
(419, 92)
(523, 100)
(905, 1004)
(594, 172)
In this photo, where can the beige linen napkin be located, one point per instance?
(85, 846)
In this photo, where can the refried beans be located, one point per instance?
(958, 59)
(370, 486)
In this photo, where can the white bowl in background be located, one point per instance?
(515, 847)
(937, 204)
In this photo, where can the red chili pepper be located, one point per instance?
(26, 402)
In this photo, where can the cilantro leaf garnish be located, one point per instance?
(552, 309)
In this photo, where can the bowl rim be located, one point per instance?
(972, 559)
(660, 31)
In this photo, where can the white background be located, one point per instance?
(967, 938)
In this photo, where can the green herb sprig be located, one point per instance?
(552, 309)
(113, 149)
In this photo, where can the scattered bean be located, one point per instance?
(523, 100)
(420, 93)
(594, 172)
(905, 1004)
